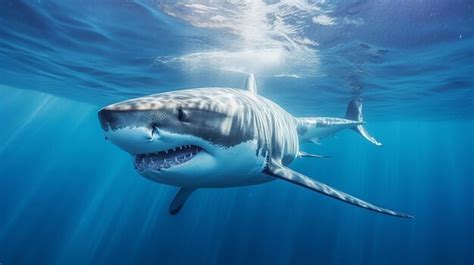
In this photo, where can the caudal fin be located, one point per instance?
(354, 112)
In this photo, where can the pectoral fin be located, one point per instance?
(276, 170)
(179, 200)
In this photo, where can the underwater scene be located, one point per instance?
(278, 132)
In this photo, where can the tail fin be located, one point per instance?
(354, 112)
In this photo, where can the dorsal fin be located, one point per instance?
(251, 84)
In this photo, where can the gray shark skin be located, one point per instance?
(223, 137)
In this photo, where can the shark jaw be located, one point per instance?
(166, 159)
(169, 158)
(185, 160)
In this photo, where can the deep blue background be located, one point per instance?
(67, 196)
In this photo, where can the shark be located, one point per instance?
(218, 137)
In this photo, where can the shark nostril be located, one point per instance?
(154, 132)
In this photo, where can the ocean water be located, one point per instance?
(67, 196)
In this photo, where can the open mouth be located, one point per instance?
(166, 159)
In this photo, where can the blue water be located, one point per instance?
(69, 197)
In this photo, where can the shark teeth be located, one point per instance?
(167, 158)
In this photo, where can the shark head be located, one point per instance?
(181, 138)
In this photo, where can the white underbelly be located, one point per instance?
(241, 181)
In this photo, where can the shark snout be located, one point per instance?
(112, 119)
(122, 129)
(106, 117)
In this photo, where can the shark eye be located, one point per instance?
(180, 115)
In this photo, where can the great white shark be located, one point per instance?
(223, 137)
